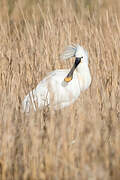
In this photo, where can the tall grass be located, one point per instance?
(78, 142)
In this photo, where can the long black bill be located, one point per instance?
(69, 77)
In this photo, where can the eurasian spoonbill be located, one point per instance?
(61, 87)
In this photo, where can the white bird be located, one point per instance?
(61, 87)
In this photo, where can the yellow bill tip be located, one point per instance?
(68, 79)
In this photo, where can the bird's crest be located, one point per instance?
(69, 52)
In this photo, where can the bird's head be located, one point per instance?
(81, 56)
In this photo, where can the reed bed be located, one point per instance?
(82, 141)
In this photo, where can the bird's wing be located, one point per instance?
(68, 52)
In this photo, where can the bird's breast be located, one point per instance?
(84, 80)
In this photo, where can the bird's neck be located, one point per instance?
(82, 68)
(84, 76)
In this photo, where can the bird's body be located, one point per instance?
(55, 91)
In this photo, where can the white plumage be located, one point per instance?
(61, 87)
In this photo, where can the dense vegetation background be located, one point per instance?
(78, 142)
